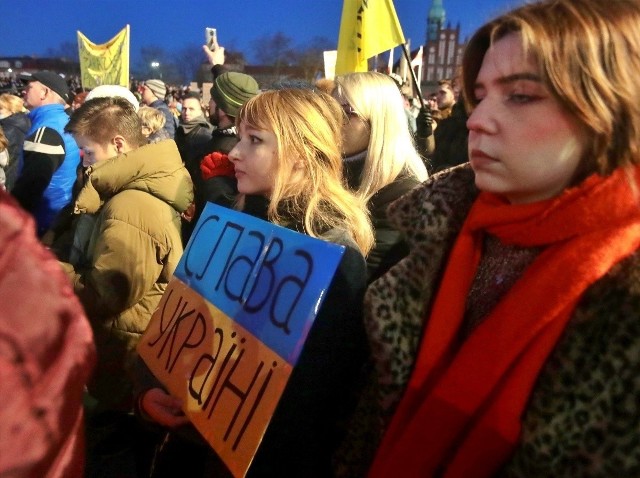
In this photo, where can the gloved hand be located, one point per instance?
(216, 164)
(424, 127)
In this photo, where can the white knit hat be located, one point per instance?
(110, 91)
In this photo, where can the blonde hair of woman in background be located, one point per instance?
(380, 160)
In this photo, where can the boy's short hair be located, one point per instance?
(101, 119)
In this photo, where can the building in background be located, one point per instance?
(443, 48)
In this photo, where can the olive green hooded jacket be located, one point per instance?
(133, 248)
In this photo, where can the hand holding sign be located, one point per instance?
(163, 408)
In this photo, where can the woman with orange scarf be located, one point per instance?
(508, 342)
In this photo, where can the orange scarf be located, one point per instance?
(460, 415)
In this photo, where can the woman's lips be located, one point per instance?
(479, 158)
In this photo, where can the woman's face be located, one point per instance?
(254, 158)
(522, 144)
(355, 131)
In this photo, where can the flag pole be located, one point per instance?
(413, 74)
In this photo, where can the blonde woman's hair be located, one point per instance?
(307, 126)
(391, 151)
(588, 55)
(12, 103)
(152, 118)
(4, 142)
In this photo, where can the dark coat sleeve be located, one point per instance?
(390, 246)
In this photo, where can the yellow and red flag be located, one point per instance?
(368, 27)
(104, 64)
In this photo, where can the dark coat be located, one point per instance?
(15, 128)
(389, 247)
(193, 142)
(220, 190)
(451, 138)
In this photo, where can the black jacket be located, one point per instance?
(389, 247)
(451, 137)
(15, 128)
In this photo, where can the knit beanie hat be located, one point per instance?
(157, 87)
(231, 90)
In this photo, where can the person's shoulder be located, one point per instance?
(43, 139)
(394, 190)
(19, 121)
(352, 257)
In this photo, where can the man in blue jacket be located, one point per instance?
(50, 156)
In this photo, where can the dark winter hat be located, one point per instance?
(51, 80)
(231, 90)
(157, 87)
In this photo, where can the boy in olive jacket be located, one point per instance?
(127, 241)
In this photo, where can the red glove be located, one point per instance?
(216, 164)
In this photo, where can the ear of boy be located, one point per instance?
(121, 144)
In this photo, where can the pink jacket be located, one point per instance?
(46, 356)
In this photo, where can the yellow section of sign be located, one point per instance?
(227, 379)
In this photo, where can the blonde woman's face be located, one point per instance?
(522, 143)
(356, 131)
(255, 159)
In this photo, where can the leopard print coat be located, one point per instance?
(583, 418)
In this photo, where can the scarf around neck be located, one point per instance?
(460, 415)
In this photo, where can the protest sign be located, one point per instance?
(104, 64)
(232, 323)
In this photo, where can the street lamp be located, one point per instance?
(156, 66)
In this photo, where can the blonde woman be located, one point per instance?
(380, 160)
(288, 166)
(15, 123)
(508, 341)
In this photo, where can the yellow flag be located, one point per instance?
(368, 27)
(105, 64)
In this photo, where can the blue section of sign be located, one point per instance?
(269, 279)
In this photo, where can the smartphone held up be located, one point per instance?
(211, 37)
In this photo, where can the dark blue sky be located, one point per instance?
(31, 28)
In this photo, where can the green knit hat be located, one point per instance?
(231, 90)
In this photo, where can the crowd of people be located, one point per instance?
(481, 322)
